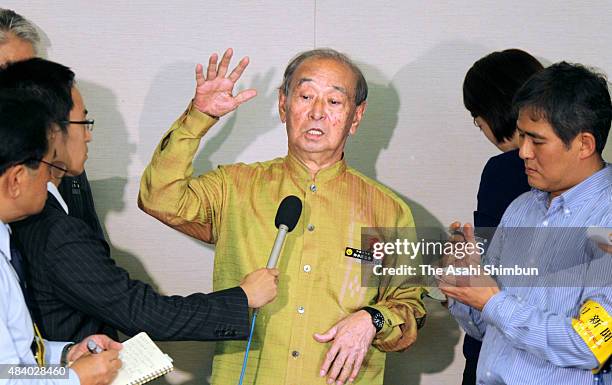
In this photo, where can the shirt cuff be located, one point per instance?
(495, 312)
(391, 321)
(53, 351)
(196, 123)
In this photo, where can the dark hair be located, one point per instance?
(572, 98)
(24, 124)
(361, 88)
(45, 80)
(490, 85)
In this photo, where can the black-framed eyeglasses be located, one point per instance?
(64, 170)
(88, 123)
(55, 167)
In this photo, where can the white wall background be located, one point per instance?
(134, 63)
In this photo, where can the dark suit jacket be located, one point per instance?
(503, 180)
(76, 289)
(77, 194)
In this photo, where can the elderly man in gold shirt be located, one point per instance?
(325, 326)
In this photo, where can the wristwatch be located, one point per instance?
(64, 358)
(378, 320)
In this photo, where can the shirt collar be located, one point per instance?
(299, 170)
(576, 196)
(55, 192)
(5, 241)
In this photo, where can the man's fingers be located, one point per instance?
(211, 71)
(199, 74)
(468, 231)
(237, 72)
(245, 95)
(225, 60)
(337, 367)
(329, 358)
(346, 369)
(356, 367)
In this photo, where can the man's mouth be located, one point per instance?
(314, 131)
(530, 170)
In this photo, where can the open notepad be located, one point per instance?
(142, 361)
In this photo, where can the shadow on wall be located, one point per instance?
(113, 150)
(438, 75)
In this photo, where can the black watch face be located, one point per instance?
(378, 320)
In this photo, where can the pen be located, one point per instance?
(93, 347)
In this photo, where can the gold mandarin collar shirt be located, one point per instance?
(234, 208)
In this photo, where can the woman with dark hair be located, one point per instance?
(488, 89)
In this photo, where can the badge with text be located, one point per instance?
(363, 255)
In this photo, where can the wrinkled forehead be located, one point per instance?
(326, 72)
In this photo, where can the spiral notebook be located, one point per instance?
(142, 361)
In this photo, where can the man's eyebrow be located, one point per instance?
(338, 88)
(341, 89)
(303, 80)
(531, 134)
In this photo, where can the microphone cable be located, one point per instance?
(248, 347)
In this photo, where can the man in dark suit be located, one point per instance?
(76, 287)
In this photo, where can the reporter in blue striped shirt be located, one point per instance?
(550, 328)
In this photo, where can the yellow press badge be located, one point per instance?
(594, 327)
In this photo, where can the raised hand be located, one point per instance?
(214, 94)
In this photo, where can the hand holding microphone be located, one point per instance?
(261, 287)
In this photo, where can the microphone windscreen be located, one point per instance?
(289, 212)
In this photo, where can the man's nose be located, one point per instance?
(525, 150)
(317, 111)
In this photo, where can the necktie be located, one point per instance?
(19, 265)
(38, 347)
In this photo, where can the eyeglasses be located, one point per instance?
(63, 170)
(88, 123)
(54, 170)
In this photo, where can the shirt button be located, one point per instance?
(310, 227)
(295, 354)
(567, 211)
(301, 309)
(313, 187)
(307, 268)
(545, 223)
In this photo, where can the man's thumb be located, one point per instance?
(326, 337)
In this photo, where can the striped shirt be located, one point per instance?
(527, 327)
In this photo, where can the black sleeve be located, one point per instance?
(490, 207)
(87, 278)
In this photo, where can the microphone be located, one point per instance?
(287, 216)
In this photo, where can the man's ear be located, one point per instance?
(359, 111)
(16, 180)
(282, 105)
(587, 144)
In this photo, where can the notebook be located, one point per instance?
(142, 361)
